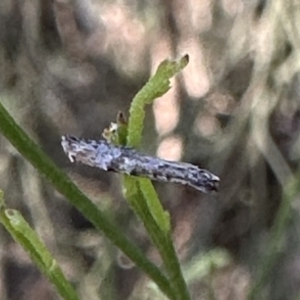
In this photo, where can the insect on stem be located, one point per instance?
(108, 157)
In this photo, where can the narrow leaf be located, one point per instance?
(23, 234)
(157, 86)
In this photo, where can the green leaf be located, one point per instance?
(140, 192)
(161, 217)
(157, 86)
(29, 240)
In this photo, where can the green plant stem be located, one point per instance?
(160, 238)
(19, 139)
(139, 192)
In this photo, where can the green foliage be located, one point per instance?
(158, 85)
(67, 188)
(29, 240)
(139, 192)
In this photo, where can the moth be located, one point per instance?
(109, 157)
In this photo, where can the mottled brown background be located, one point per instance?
(69, 67)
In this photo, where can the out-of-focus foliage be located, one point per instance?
(70, 66)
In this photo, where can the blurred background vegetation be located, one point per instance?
(70, 66)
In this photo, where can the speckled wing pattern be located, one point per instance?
(109, 157)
